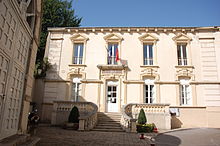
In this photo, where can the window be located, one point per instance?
(185, 92)
(182, 54)
(148, 54)
(78, 53)
(149, 91)
(76, 89)
(112, 53)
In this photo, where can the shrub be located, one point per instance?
(145, 128)
(74, 115)
(141, 117)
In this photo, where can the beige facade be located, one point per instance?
(114, 66)
(19, 37)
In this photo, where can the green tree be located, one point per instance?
(141, 117)
(56, 13)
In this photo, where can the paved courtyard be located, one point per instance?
(189, 137)
(56, 136)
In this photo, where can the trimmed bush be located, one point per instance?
(145, 128)
(141, 117)
(74, 115)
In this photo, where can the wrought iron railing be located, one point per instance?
(77, 60)
(148, 61)
(182, 61)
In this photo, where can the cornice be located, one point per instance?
(134, 29)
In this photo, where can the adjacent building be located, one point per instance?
(114, 66)
(19, 38)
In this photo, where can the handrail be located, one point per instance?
(131, 110)
(88, 113)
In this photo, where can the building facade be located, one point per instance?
(19, 38)
(114, 66)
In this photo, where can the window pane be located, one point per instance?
(78, 53)
(150, 51)
(178, 51)
(184, 51)
(109, 88)
(145, 55)
(112, 53)
(81, 50)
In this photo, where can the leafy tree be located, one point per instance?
(141, 117)
(56, 13)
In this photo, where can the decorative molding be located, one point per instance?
(77, 65)
(150, 71)
(56, 80)
(188, 106)
(204, 82)
(133, 82)
(167, 82)
(182, 38)
(112, 67)
(113, 38)
(140, 29)
(78, 38)
(148, 38)
(184, 71)
(92, 81)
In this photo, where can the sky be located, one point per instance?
(147, 13)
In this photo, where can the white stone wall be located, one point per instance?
(203, 57)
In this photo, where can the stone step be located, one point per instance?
(20, 140)
(107, 127)
(108, 119)
(109, 124)
(108, 130)
(31, 142)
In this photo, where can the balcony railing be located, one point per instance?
(148, 61)
(182, 61)
(77, 60)
(87, 112)
(112, 60)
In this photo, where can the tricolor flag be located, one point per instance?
(117, 55)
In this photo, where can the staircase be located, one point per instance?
(108, 122)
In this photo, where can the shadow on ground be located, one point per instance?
(167, 140)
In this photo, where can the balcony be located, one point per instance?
(77, 60)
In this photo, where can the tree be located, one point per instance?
(56, 13)
(141, 117)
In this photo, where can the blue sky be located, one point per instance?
(148, 12)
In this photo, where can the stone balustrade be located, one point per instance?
(87, 112)
(155, 113)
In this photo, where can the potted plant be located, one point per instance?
(141, 121)
(73, 120)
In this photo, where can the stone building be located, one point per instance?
(19, 40)
(115, 66)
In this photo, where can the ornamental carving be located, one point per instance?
(149, 71)
(182, 38)
(113, 38)
(78, 38)
(185, 72)
(76, 70)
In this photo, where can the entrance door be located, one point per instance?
(112, 105)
